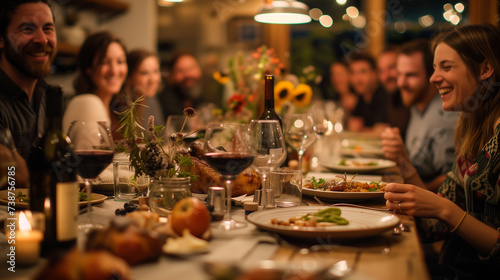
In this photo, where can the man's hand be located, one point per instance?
(393, 146)
(22, 174)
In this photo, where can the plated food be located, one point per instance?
(22, 198)
(342, 184)
(362, 222)
(322, 218)
(343, 188)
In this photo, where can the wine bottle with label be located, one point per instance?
(269, 111)
(53, 184)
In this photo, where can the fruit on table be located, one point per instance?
(190, 213)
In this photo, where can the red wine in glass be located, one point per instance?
(229, 164)
(93, 162)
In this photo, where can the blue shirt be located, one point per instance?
(430, 139)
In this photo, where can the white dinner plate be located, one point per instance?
(97, 198)
(359, 165)
(362, 222)
(342, 196)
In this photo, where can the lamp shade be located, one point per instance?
(283, 12)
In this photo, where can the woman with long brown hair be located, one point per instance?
(466, 209)
(102, 66)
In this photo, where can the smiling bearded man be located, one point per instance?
(28, 45)
(18, 56)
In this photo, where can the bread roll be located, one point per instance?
(76, 265)
(126, 240)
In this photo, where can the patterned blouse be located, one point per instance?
(475, 187)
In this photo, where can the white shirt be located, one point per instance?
(85, 107)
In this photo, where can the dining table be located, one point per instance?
(394, 253)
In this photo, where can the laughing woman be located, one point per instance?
(466, 210)
(102, 65)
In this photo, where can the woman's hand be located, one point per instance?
(415, 201)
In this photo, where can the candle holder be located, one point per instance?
(24, 233)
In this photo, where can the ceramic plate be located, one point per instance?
(362, 222)
(359, 165)
(97, 198)
(342, 196)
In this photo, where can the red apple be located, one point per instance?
(190, 213)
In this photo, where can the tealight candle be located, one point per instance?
(27, 246)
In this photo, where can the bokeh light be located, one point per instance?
(315, 13)
(448, 7)
(326, 21)
(359, 21)
(426, 21)
(352, 11)
(400, 27)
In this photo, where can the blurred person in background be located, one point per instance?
(102, 70)
(370, 113)
(428, 151)
(339, 78)
(465, 211)
(143, 79)
(398, 115)
(186, 86)
(28, 45)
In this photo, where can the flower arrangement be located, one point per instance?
(244, 80)
(294, 94)
(151, 157)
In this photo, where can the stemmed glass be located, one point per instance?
(93, 145)
(300, 133)
(7, 156)
(227, 149)
(269, 149)
(323, 127)
(322, 124)
(187, 126)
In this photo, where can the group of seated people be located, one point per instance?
(392, 96)
(450, 161)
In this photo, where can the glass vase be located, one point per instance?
(164, 193)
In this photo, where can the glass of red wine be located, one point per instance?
(228, 150)
(93, 146)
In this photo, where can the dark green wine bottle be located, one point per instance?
(269, 111)
(53, 184)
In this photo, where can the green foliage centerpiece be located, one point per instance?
(149, 153)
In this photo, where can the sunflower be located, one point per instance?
(302, 95)
(220, 77)
(283, 92)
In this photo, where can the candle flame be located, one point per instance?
(24, 224)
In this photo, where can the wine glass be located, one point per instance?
(300, 133)
(189, 127)
(93, 145)
(322, 124)
(7, 156)
(269, 149)
(227, 149)
(323, 127)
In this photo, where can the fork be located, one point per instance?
(351, 205)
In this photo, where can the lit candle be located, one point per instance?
(27, 246)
